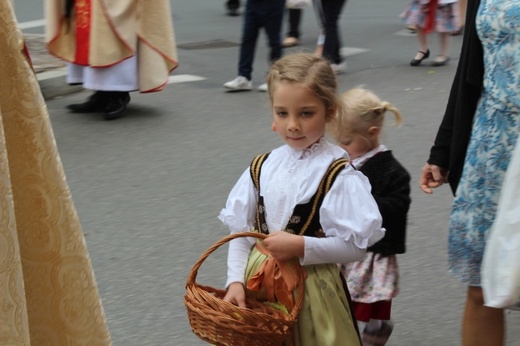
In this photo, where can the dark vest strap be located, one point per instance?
(254, 170)
(312, 225)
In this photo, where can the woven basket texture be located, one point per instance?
(222, 323)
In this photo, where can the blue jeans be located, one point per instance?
(260, 13)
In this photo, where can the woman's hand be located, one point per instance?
(284, 246)
(236, 295)
(432, 176)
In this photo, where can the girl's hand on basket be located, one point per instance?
(236, 294)
(284, 246)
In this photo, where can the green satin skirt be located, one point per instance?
(325, 318)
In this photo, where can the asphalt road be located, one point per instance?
(148, 187)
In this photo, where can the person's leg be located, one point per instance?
(293, 34)
(423, 52)
(272, 18)
(481, 325)
(295, 15)
(250, 31)
(318, 11)
(331, 13)
(444, 38)
(462, 17)
(446, 23)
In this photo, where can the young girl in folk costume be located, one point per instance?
(373, 282)
(316, 208)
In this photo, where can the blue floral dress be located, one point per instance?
(495, 131)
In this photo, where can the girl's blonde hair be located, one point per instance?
(313, 71)
(363, 111)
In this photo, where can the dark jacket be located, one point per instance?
(451, 142)
(391, 189)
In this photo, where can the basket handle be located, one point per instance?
(194, 270)
(193, 274)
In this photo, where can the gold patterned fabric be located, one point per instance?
(48, 293)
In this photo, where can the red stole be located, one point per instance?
(83, 11)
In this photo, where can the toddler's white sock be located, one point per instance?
(374, 325)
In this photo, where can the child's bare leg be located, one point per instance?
(423, 43)
(445, 43)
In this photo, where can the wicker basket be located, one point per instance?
(222, 323)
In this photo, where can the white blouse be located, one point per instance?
(348, 215)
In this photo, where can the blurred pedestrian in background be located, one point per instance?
(374, 281)
(48, 291)
(113, 48)
(258, 14)
(329, 12)
(472, 151)
(429, 16)
(294, 15)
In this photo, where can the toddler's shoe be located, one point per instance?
(378, 337)
(238, 84)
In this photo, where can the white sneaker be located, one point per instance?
(339, 68)
(239, 83)
(262, 87)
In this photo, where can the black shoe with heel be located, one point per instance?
(417, 62)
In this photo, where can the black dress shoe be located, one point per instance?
(417, 62)
(117, 104)
(97, 102)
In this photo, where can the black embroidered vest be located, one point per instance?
(305, 219)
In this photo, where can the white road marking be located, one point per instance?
(32, 24)
(181, 78)
(349, 51)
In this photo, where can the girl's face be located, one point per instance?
(299, 116)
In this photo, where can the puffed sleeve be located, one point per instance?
(239, 213)
(350, 212)
(238, 216)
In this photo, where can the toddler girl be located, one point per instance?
(373, 282)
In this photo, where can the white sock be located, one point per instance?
(361, 326)
(374, 325)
